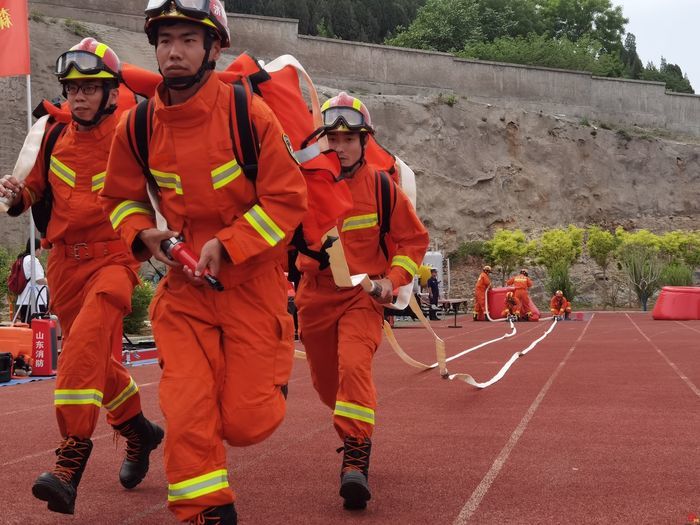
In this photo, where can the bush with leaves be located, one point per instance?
(677, 274)
(6, 261)
(469, 249)
(140, 301)
(559, 247)
(558, 278)
(601, 246)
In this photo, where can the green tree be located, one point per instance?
(508, 249)
(676, 274)
(669, 74)
(630, 59)
(601, 246)
(140, 301)
(559, 247)
(639, 256)
(559, 278)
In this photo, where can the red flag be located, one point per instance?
(14, 38)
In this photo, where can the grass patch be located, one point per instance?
(76, 28)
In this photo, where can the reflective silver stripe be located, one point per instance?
(62, 171)
(125, 394)
(98, 181)
(199, 486)
(264, 225)
(88, 396)
(168, 180)
(224, 174)
(125, 209)
(353, 411)
(359, 222)
(308, 153)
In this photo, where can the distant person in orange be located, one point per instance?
(91, 274)
(559, 306)
(482, 285)
(341, 328)
(226, 355)
(522, 282)
(512, 307)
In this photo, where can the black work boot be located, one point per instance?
(60, 486)
(222, 515)
(142, 437)
(354, 488)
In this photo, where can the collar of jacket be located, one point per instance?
(96, 133)
(195, 110)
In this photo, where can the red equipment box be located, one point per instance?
(44, 347)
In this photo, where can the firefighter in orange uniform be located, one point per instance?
(522, 282)
(480, 290)
(91, 274)
(226, 355)
(559, 306)
(512, 307)
(342, 328)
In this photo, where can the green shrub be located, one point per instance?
(77, 28)
(476, 249)
(559, 279)
(140, 301)
(677, 274)
(6, 260)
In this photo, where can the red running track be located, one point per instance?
(599, 424)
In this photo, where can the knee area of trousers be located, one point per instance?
(248, 426)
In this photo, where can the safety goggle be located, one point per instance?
(85, 62)
(350, 117)
(198, 9)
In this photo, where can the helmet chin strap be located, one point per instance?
(183, 83)
(102, 111)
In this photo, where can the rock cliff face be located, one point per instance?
(479, 167)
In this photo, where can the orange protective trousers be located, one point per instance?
(225, 356)
(91, 297)
(341, 330)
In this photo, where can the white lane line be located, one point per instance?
(680, 374)
(479, 493)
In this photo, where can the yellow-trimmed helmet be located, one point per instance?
(346, 113)
(208, 13)
(86, 60)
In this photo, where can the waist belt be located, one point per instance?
(91, 250)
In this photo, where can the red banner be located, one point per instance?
(14, 38)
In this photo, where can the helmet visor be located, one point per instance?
(193, 8)
(334, 117)
(84, 61)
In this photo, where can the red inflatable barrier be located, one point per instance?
(497, 301)
(678, 303)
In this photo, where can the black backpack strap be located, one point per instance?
(41, 210)
(138, 131)
(247, 135)
(300, 244)
(385, 206)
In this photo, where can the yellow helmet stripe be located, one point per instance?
(100, 50)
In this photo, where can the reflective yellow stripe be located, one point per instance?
(100, 50)
(264, 225)
(168, 180)
(98, 181)
(406, 263)
(62, 171)
(352, 411)
(127, 208)
(225, 173)
(88, 396)
(359, 222)
(356, 104)
(199, 486)
(125, 394)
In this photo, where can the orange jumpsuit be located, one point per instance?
(342, 328)
(522, 283)
(482, 284)
(559, 306)
(512, 306)
(91, 275)
(225, 355)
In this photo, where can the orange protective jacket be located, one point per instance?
(512, 306)
(203, 196)
(559, 305)
(91, 275)
(482, 284)
(521, 284)
(407, 239)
